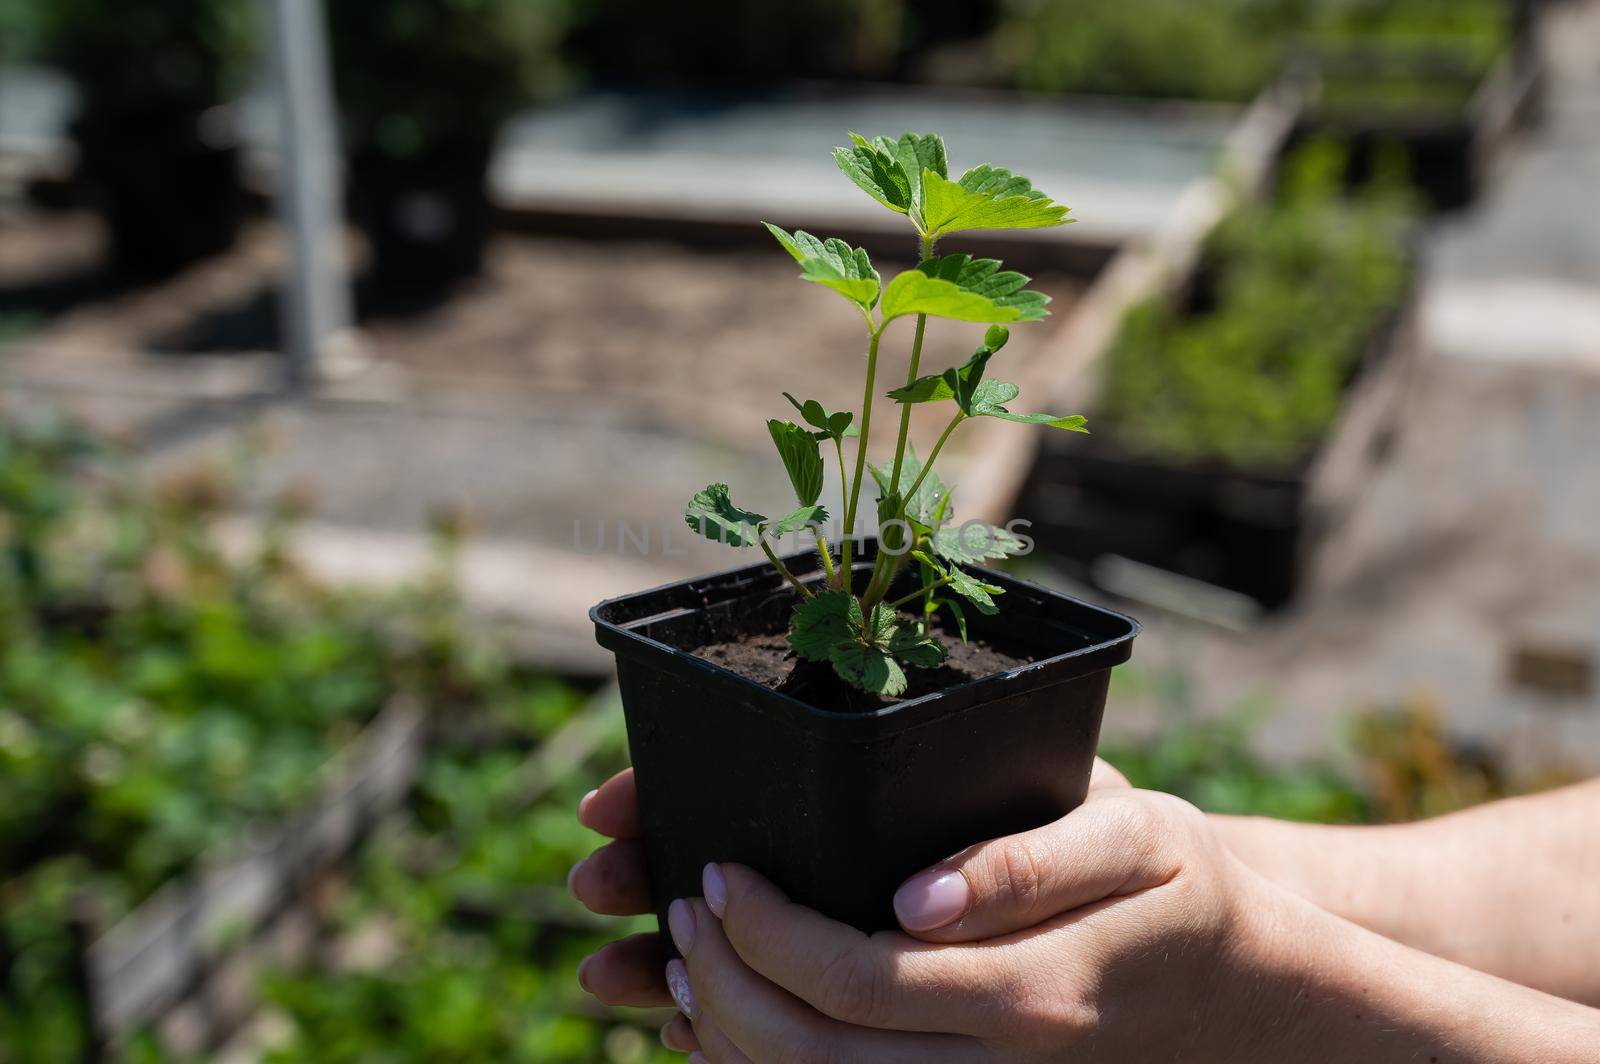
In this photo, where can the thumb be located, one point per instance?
(1103, 777)
(1111, 846)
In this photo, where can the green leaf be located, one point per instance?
(712, 514)
(932, 494)
(974, 542)
(829, 425)
(871, 668)
(1071, 422)
(939, 386)
(916, 152)
(876, 172)
(991, 396)
(802, 518)
(802, 459)
(882, 623)
(834, 263)
(823, 621)
(955, 611)
(974, 590)
(963, 288)
(912, 647)
(986, 197)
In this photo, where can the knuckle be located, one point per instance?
(1021, 874)
(854, 990)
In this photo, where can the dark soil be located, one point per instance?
(767, 660)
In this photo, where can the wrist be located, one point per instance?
(1329, 991)
(1362, 874)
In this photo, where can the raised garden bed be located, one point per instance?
(1445, 106)
(171, 950)
(1227, 492)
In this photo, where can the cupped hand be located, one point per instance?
(612, 882)
(1122, 932)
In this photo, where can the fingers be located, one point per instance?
(612, 808)
(628, 972)
(886, 981)
(726, 999)
(1112, 846)
(612, 880)
(679, 1037)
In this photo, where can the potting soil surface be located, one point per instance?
(768, 660)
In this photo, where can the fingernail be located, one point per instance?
(583, 973)
(716, 890)
(572, 875)
(583, 803)
(678, 983)
(931, 899)
(680, 921)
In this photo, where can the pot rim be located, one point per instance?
(1099, 655)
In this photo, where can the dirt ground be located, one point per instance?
(695, 333)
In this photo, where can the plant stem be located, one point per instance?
(844, 504)
(861, 455)
(827, 555)
(886, 566)
(784, 569)
(925, 589)
(933, 454)
(911, 376)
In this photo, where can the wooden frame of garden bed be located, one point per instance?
(182, 959)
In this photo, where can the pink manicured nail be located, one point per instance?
(931, 899)
(716, 890)
(680, 921)
(572, 875)
(678, 983)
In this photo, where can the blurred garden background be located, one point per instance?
(350, 351)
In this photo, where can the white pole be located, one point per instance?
(316, 296)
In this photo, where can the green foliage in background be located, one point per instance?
(1218, 50)
(134, 58)
(19, 30)
(159, 696)
(1231, 49)
(1422, 56)
(1299, 286)
(417, 78)
(468, 940)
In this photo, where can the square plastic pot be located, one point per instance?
(839, 808)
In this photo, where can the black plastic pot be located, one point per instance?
(427, 218)
(170, 195)
(839, 808)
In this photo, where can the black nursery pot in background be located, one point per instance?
(427, 218)
(170, 192)
(839, 808)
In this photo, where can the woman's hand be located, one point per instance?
(1123, 932)
(612, 882)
